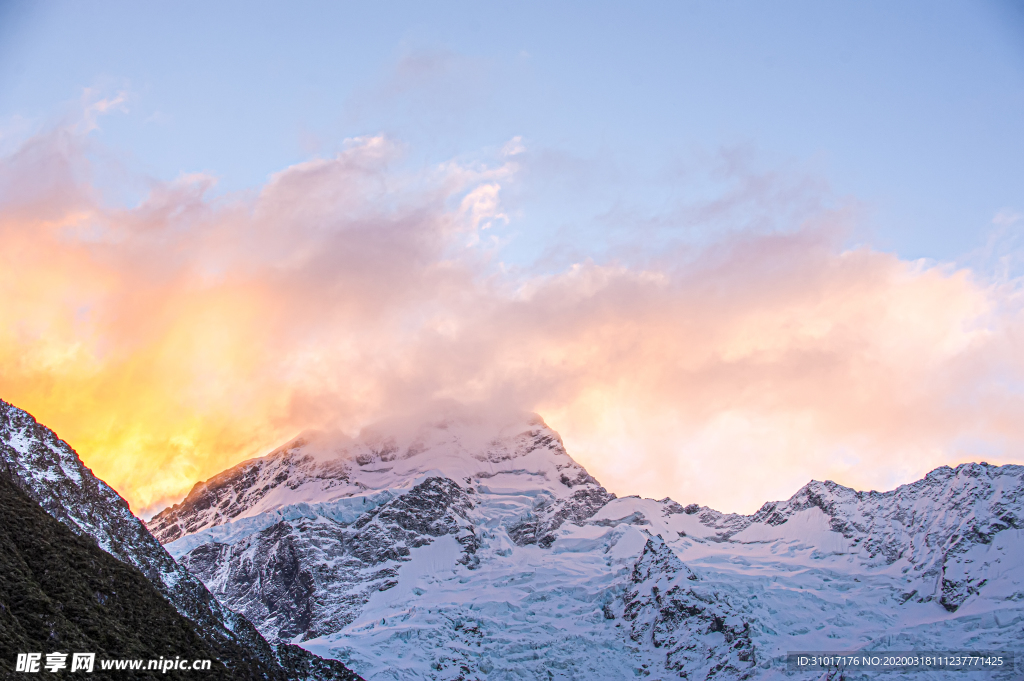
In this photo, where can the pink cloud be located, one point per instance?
(172, 339)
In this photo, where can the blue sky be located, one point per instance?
(912, 112)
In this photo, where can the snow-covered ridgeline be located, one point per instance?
(529, 567)
(524, 456)
(52, 473)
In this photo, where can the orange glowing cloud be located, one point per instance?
(169, 340)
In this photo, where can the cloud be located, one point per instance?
(513, 147)
(173, 338)
(439, 87)
(1007, 217)
(93, 105)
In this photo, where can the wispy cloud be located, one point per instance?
(95, 105)
(513, 147)
(173, 338)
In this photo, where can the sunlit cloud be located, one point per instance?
(173, 338)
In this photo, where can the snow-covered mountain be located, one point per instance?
(466, 549)
(53, 475)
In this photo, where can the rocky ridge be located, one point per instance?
(309, 577)
(62, 594)
(936, 526)
(669, 609)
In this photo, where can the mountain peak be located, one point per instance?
(323, 467)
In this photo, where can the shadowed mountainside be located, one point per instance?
(62, 593)
(49, 472)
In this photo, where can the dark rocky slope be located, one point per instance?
(62, 593)
(50, 472)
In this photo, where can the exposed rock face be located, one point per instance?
(668, 610)
(538, 527)
(308, 578)
(50, 472)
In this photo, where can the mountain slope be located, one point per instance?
(464, 549)
(51, 473)
(310, 577)
(62, 593)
